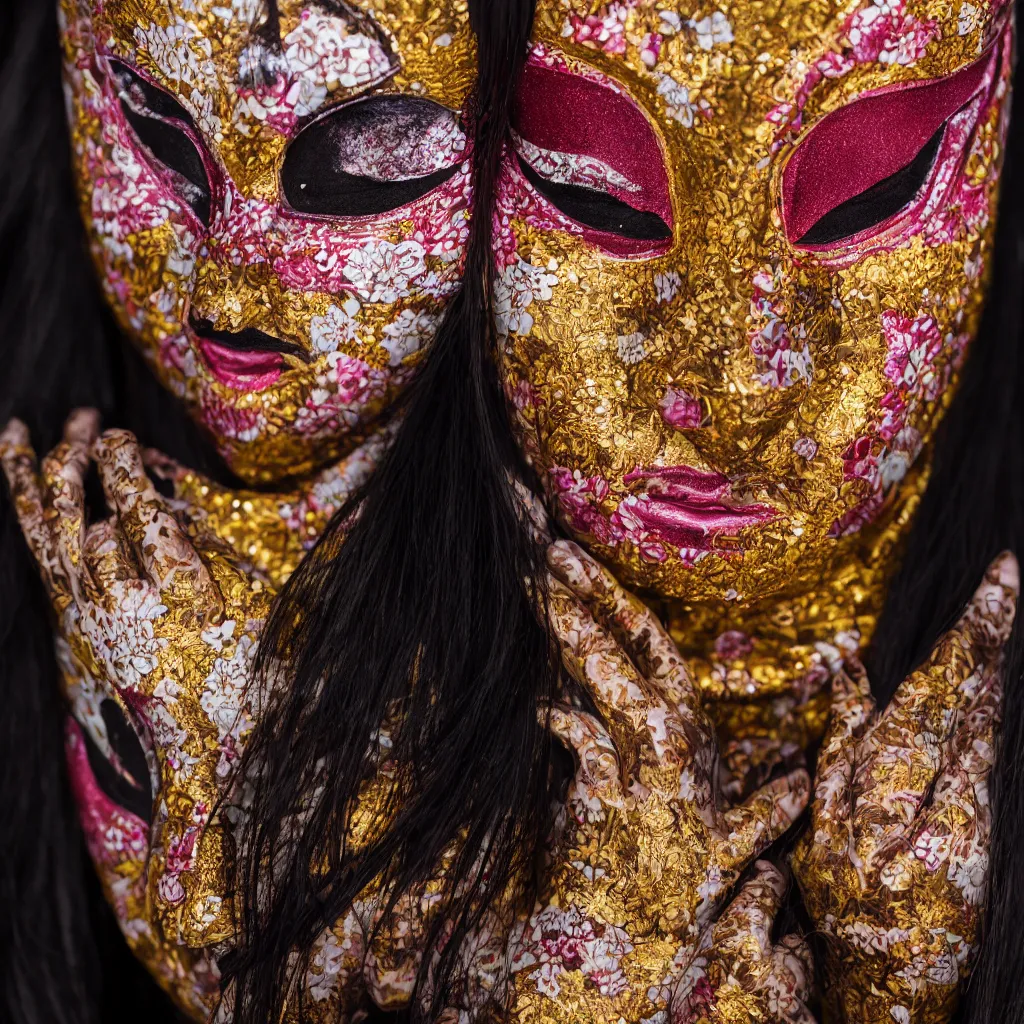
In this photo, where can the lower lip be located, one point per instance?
(248, 370)
(696, 526)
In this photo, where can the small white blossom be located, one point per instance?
(631, 348)
(678, 104)
(669, 22)
(968, 19)
(383, 271)
(336, 328)
(407, 335)
(713, 30)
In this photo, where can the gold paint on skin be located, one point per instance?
(787, 586)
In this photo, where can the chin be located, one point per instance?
(746, 573)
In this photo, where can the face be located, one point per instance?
(275, 196)
(741, 257)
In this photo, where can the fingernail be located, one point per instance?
(82, 425)
(15, 433)
(1006, 569)
(104, 446)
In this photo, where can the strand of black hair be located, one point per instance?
(416, 614)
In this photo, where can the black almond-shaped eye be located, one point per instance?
(372, 156)
(877, 204)
(130, 787)
(596, 209)
(160, 121)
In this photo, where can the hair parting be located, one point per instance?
(411, 620)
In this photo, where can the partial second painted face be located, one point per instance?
(276, 198)
(743, 250)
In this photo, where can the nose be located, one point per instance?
(246, 306)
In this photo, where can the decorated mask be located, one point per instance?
(276, 199)
(743, 252)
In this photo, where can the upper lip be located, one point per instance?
(684, 483)
(249, 339)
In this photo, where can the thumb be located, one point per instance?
(764, 816)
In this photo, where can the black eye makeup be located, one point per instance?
(592, 154)
(163, 127)
(372, 156)
(878, 203)
(597, 209)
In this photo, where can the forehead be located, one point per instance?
(420, 45)
(813, 52)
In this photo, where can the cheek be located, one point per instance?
(143, 240)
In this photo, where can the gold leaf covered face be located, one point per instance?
(742, 254)
(276, 197)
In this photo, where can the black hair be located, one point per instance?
(415, 614)
(431, 585)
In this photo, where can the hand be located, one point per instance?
(646, 856)
(268, 532)
(156, 640)
(739, 975)
(893, 867)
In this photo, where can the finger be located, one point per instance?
(598, 773)
(754, 825)
(107, 560)
(853, 710)
(901, 755)
(639, 722)
(793, 964)
(215, 515)
(19, 465)
(249, 526)
(751, 914)
(646, 641)
(960, 804)
(990, 614)
(82, 428)
(165, 552)
(63, 475)
(973, 747)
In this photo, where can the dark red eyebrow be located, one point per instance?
(571, 114)
(865, 142)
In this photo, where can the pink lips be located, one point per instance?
(690, 508)
(249, 370)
